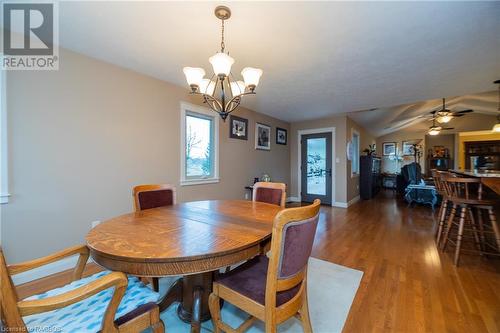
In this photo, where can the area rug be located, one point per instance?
(331, 291)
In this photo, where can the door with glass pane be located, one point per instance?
(316, 167)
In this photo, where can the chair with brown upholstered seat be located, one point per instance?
(273, 193)
(153, 196)
(104, 302)
(275, 289)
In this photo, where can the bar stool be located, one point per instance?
(438, 177)
(467, 194)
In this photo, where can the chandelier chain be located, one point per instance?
(222, 44)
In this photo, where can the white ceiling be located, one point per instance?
(319, 58)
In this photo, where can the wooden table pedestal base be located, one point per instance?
(192, 293)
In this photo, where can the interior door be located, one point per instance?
(316, 167)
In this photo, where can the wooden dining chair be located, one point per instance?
(273, 193)
(103, 302)
(153, 196)
(272, 289)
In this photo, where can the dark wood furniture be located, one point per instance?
(13, 309)
(389, 180)
(193, 239)
(369, 176)
(272, 193)
(487, 153)
(272, 289)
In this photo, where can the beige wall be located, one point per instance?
(366, 139)
(339, 123)
(392, 166)
(81, 137)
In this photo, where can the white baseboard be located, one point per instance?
(343, 204)
(46, 270)
(293, 199)
(353, 200)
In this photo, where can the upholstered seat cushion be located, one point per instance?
(156, 198)
(268, 195)
(87, 315)
(249, 279)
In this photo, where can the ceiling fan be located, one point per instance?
(444, 115)
(435, 130)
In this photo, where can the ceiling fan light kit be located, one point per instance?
(231, 90)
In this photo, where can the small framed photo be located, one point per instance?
(238, 128)
(407, 148)
(281, 136)
(262, 136)
(389, 148)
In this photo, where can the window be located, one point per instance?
(4, 186)
(199, 150)
(355, 154)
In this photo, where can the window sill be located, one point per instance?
(354, 175)
(199, 181)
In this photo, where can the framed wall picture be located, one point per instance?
(238, 128)
(262, 136)
(407, 148)
(281, 136)
(389, 148)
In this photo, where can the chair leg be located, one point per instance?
(481, 227)
(473, 225)
(442, 218)
(157, 324)
(214, 306)
(155, 283)
(460, 233)
(304, 314)
(496, 230)
(448, 227)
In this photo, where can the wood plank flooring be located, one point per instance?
(408, 285)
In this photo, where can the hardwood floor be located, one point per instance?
(408, 285)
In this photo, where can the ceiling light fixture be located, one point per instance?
(496, 128)
(231, 90)
(434, 130)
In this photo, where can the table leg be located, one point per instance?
(194, 305)
(174, 294)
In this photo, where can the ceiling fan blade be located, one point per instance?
(456, 115)
(447, 128)
(464, 111)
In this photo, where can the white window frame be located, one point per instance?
(355, 151)
(187, 108)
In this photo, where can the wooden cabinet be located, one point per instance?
(483, 155)
(369, 176)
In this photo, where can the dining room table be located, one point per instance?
(489, 178)
(192, 240)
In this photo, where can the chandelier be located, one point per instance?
(230, 90)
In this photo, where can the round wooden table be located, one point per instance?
(192, 239)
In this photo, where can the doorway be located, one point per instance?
(316, 167)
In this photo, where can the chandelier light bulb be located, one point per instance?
(207, 86)
(251, 76)
(237, 88)
(194, 76)
(496, 128)
(221, 63)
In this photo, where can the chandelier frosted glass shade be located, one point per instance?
(434, 130)
(221, 63)
(207, 87)
(496, 128)
(237, 88)
(194, 75)
(443, 119)
(251, 76)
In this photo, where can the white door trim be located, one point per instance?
(299, 158)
